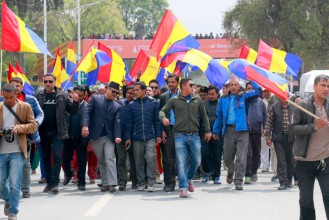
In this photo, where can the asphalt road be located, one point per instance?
(260, 200)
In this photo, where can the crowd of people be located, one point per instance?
(192, 127)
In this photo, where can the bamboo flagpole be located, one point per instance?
(303, 109)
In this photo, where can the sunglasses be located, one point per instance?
(154, 87)
(191, 85)
(47, 81)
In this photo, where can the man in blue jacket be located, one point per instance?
(231, 121)
(144, 129)
(38, 115)
(101, 122)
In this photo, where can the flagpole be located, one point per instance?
(1, 70)
(303, 109)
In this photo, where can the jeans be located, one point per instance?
(211, 156)
(11, 167)
(253, 156)
(144, 151)
(104, 151)
(80, 146)
(187, 145)
(306, 172)
(51, 147)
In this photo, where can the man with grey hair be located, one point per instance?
(311, 147)
(16, 121)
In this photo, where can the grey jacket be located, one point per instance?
(303, 125)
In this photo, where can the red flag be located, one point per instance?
(18, 67)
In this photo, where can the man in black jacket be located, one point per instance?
(76, 143)
(311, 148)
(55, 104)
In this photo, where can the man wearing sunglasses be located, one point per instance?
(154, 85)
(56, 105)
(188, 111)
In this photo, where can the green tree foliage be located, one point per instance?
(142, 16)
(297, 26)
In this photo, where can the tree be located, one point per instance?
(142, 16)
(297, 26)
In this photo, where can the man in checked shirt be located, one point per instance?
(276, 131)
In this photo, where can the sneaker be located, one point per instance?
(92, 181)
(12, 216)
(205, 178)
(5, 208)
(238, 186)
(169, 188)
(183, 193)
(104, 188)
(55, 190)
(26, 195)
(247, 180)
(158, 180)
(274, 178)
(140, 188)
(283, 187)
(47, 189)
(122, 187)
(229, 178)
(134, 186)
(42, 180)
(289, 185)
(254, 178)
(190, 186)
(100, 185)
(112, 189)
(82, 187)
(265, 170)
(67, 180)
(150, 189)
(217, 180)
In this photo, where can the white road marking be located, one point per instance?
(99, 205)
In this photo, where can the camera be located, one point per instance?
(9, 137)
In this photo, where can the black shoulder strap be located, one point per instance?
(14, 113)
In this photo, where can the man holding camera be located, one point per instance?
(13, 146)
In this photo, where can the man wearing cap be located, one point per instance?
(101, 122)
(231, 121)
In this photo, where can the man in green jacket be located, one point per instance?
(188, 108)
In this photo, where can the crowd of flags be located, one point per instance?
(176, 51)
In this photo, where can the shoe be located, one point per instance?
(205, 178)
(112, 189)
(296, 183)
(122, 187)
(67, 180)
(55, 190)
(134, 186)
(282, 187)
(265, 170)
(75, 181)
(158, 180)
(217, 180)
(183, 193)
(26, 195)
(254, 178)
(42, 180)
(104, 188)
(190, 186)
(33, 172)
(169, 188)
(150, 189)
(47, 189)
(140, 188)
(238, 186)
(229, 178)
(247, 180)
(99, 185)
(274, 178)
(92, 181)
(12, 216)
(82, 187)
(5, 208)
(289, 185)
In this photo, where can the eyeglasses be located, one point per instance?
(47, 81)
(154, 87)
(191, 85)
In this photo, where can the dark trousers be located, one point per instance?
(169, 159)
(80, 146)
(285, 169)
(122, 154)
(306, 173)
(51, 148)
(211, 154)
(253, 157)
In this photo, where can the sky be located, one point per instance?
(201, 16)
